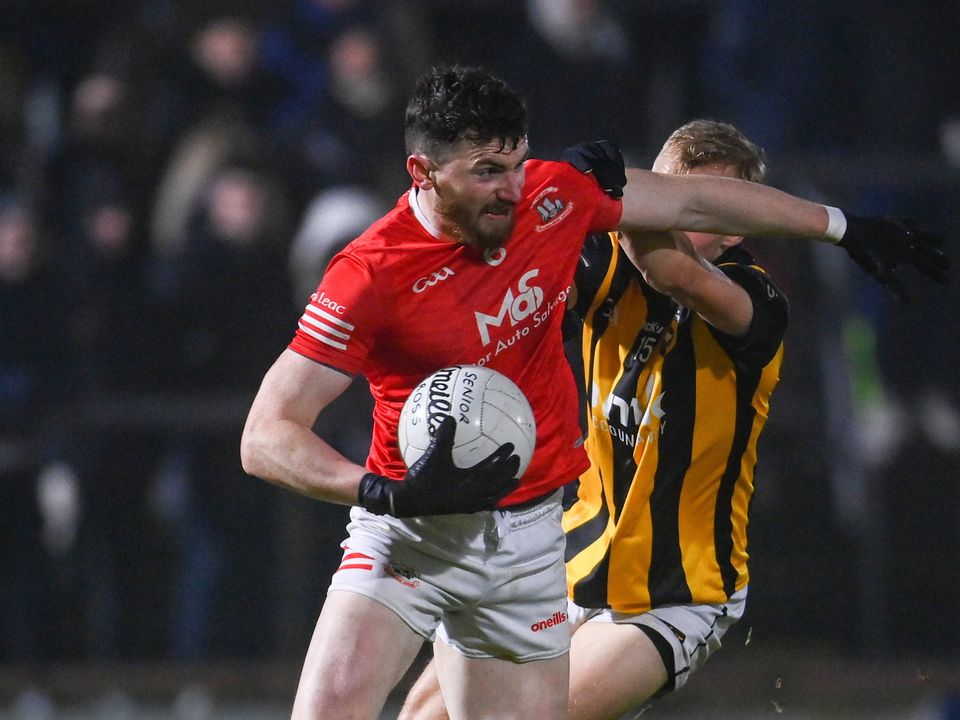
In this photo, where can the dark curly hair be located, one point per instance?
(453, 103)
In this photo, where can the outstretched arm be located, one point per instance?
(657, 201)
(737, 207)
(706, 203)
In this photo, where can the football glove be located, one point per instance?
(880, 245)
(603, 160)
(434, 485)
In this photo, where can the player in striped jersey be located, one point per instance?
(678, 385)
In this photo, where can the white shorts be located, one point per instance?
(684, 635)
(489, 584)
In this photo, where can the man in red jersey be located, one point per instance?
(647, 551)
(472, 266)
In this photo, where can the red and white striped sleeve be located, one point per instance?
(338, 324)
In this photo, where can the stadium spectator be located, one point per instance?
(223, 112)
(359, 111)
(113, 334)
(36, 384)
(225, 300)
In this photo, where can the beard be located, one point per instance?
(465, 226)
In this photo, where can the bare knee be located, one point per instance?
(424, 701)
(499, 688)
(347, 674)
(337, 692)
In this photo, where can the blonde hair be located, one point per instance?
(708, 142)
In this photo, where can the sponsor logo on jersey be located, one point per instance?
(557, 618)
(535, 318)
(627, 410)
(517, 305)
(636, 432)
(321, 322)
(435, 277)
(629, 420)
(321, 299)
(551, 208)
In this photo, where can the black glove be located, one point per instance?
(879, 245)
(603, 159)
(435, 486)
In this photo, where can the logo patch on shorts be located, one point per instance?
(403, 574)
(556, 619)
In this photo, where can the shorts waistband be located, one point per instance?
(525, 514)
(527, 504)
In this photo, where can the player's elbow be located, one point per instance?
(251, 451)
(247, 456)
(677, 281)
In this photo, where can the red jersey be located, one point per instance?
(399, 302)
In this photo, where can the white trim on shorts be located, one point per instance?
(489, 584)
(693, 632)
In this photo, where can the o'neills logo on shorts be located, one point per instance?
(555, 619)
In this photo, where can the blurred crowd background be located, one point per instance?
(175, 174)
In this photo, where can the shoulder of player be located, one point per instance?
(737, 262)
(542, 174)
(771, 307)
(393, 227)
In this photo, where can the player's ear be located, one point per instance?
(421, 169)
(730, 241)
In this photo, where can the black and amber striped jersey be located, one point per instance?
(675, 409)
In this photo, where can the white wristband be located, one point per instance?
(836, 224)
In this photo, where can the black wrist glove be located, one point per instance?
(435, 486)
(602, 158)
(879, 245)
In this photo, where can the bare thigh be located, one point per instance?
(478, 688)
(359, 651)
(613, 668)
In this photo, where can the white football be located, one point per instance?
(489, 409)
